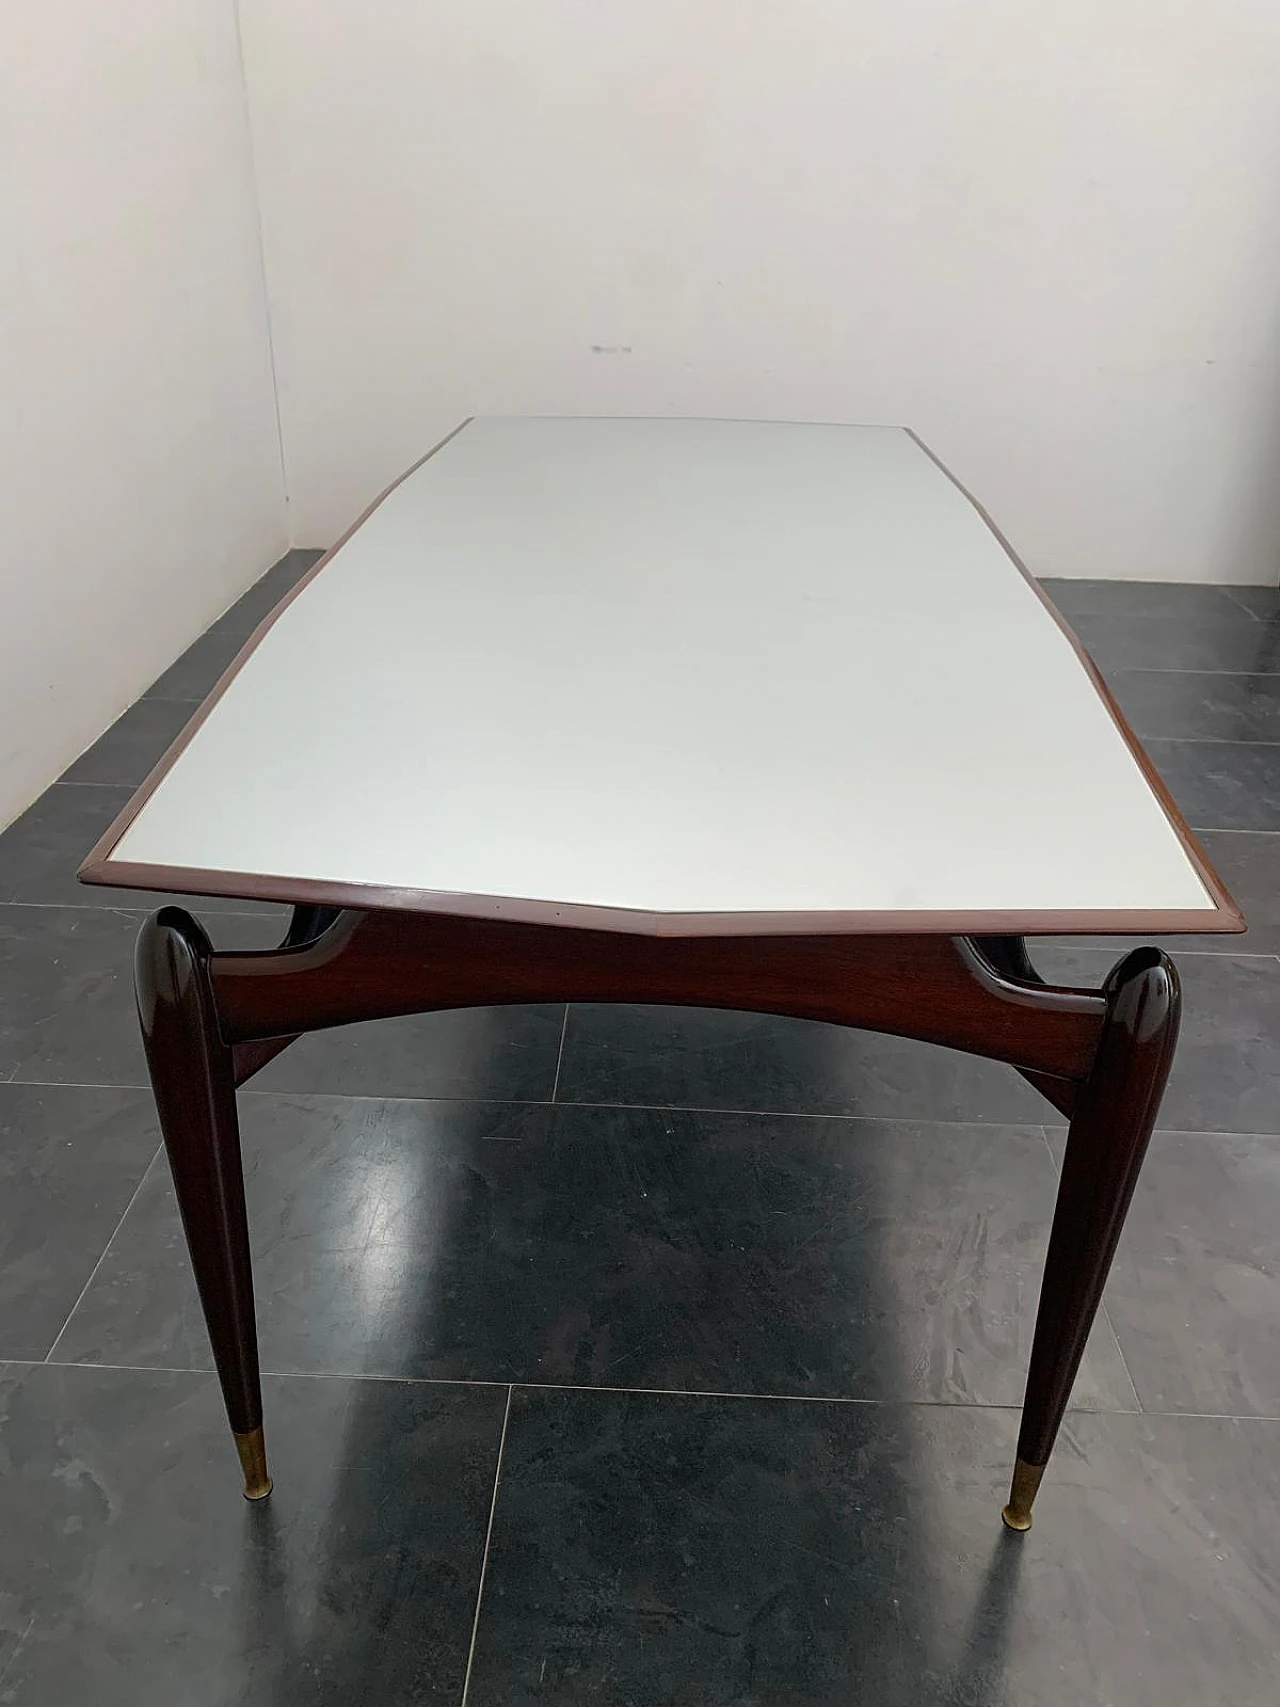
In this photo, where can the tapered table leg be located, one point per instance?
(191, 1073)
(1114, 1114)
(208, 1019)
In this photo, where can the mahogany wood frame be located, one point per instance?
(210, 1020)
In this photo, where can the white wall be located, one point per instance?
(1048, 238)
(142, 487)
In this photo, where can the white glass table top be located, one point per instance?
(676, 676)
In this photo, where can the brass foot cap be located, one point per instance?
(253, 1461)
(1026, 1484)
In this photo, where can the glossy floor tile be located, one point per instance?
(133, 744)
(659, 1550)
(266, 593)
(67, 1016)
(67, 1013)
(509, 1054)
(191, 676)
(381, 1237)
(70, 1161)
(1198, 705)
(1222, 785)
(1249, 865)
(1261, 602)
(1195, 1290)
(41, 853)
(1197, 640)
(1226, 1072)
(132, 1573)
(1182, 600)
(633, 1248)
(708, 1058)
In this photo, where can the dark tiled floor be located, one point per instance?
(69, 1165)
(1234, 643)
(1222, 785)
(699, 1058)
(40, 853)
(686, 1347)
(132, 745)
(191, 676)
(855, 1259)
(131, 1576)
(1209, 706)
(655, 1549)
(507, 1053)
(1226, 1075)
(1195, 1290)
(66, 992)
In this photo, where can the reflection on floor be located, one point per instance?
(637, 1356)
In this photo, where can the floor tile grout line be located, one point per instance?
(651, 1392)
(1102, 1307)
(1124, 1361)
(22, 1642)
(564, 1027)
(1208, 740)
(488, 1539)
(1115, 667)
(103, 1255)
(131, 1368)
(1026, 1126)
(1240, 604)
(644, 1392)
(80, 1085)
(849, 1400)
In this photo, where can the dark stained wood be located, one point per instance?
(1115, 1112)
(369, 897)
(377, 965)
(193, 1079)
(250, 1058)
(305, 925)
(1008, 954)
(308, 923)
(210, 1020)
(1060, 1092)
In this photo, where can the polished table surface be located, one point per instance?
(677, 677)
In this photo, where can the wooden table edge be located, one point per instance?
(99, 867)
(368, 897)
